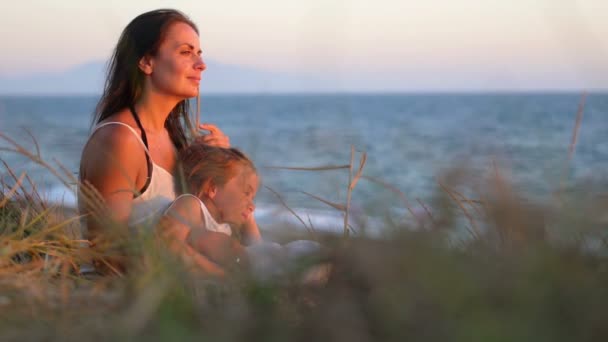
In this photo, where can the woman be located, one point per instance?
(141, 123)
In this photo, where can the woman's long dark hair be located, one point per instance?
(124, 81)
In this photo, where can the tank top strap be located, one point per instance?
(127, 126)
(150, 164)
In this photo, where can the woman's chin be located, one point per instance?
(191, 95)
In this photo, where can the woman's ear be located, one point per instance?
(146, 65)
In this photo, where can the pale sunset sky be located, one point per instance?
(485, 43)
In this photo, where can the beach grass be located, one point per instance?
(482, 261)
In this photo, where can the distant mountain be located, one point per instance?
(218, 78)
(225, 78)
(83, 79)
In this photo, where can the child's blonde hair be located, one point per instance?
(201, 166)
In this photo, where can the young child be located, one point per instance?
(214, 214)
(217, 187)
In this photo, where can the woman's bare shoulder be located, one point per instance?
(116, 132)
(117, 126)
(116, 143)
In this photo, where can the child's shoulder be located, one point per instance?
(185, 203)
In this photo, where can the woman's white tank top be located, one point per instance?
(150, 204)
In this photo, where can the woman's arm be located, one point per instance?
(113, 165)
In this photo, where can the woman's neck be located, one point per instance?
(153, 110)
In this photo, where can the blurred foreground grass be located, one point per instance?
(499, 267)
(482, 262)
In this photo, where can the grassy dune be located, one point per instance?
(482, 262)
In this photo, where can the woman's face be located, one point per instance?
(177, 66)
(234, 200)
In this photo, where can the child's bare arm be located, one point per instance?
(175, 226)
(250, 233)
(219, 247)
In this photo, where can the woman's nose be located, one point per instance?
(200, 64)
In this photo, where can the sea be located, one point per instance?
(409, 144)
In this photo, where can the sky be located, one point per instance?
(516, 44)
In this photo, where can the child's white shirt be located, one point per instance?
(210, 223)
(268, 260)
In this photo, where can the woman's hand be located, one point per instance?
(215, 137)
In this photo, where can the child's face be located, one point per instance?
(234, 200)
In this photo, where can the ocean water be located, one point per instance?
(410, 139)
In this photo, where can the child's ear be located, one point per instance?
(211, 190)
(146, 65)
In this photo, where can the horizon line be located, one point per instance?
(539, 91)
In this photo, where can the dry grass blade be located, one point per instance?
(35, 266)
(34, 141)
(68, 174)
(53, 228)
(35, 158)
(312, 227)
(475, 231)
(352, 229)
(11, 142)
(288, 208)
(93, 200)
(396, 191)
(471, 202)
(337, 206)
(359, 171)
(7, 196)
(34, 190)
(111, 267)
(572, 146)
(25, 213)
(26, 195)
(19, 234)
(38, 218)
(318, 168)
(577, 126)
(350, 191)
(197, 114)
(428, 212)
(96, 205)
